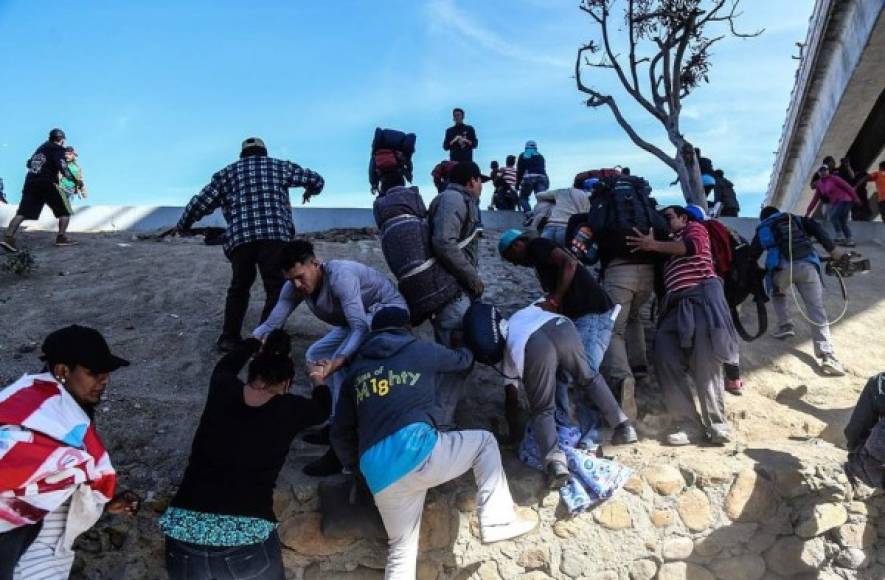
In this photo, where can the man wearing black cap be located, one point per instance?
(455, 227)
(386, 426)
(41, 188)
(253, 194)
(45, 505)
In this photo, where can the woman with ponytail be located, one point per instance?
(221, 522)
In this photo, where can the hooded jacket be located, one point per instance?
(454, 216)
(391, 383)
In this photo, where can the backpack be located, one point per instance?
(392, 152)
(741, 275)
(402, 219)
(440, 174)
(617, 207)
(483, 333)
(600, 174)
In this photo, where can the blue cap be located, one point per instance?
(507, 239)
(590, 182)
(696, 211)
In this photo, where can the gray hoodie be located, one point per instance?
(454, 217)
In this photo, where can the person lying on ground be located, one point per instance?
(695, 334)
(386, 428)
(338, 292)
(865, 435)
(223, 514)
(45, 503)
(791, 260)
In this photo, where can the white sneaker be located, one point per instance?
(831, 367)
(719, 435)
(526, 521)
(784, 332)
(678, 439)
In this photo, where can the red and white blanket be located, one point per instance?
(50, 453)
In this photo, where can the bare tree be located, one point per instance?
(669, 45)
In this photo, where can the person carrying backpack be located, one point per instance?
(695, 333)
(790, 259)
(531, 175)
(389, 429)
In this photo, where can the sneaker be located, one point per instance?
(8, 244)
(526, 521)
(831, 367)
(228, 343)
(326, 465)
(734, 386)
(320, 437)
(678, 439)
(628, 398)
(557, 475)
(624, 434)
(63, 240)
(784, 332)
(719, 435)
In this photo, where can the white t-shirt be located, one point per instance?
(520, 328)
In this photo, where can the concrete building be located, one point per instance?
(838, 102)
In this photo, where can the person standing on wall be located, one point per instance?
(41, 188)
(253, 194)
(460, 139)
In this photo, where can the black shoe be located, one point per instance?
(557, 475)
(624, 434)
(320, 437)
(326, 465)
(228, 343)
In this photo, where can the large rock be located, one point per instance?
(821, 519)
(861, 535)
(752, 497)
(643, 570)
(853, 559)
(613, 515)
(301, 532)
(749, 567)
(694, 509)
(684, 571)
(534, 558)
(790, 555)
(677, 548)
(664, 479)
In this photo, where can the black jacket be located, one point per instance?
(45, 165)
(803, 229)
(869, 410)
(458, 151)
(534, 164)
(391, 383)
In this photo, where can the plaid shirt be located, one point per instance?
(253, 194)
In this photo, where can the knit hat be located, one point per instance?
(531, 145)
(253, 142)
(389, 318)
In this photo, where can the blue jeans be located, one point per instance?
(262, 561)
(839, 214)
(555, 234)
(531, 183)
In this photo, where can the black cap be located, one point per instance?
(56, 134)
(464, 171)
(390, 317)
(79, 345)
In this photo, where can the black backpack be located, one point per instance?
(483, 334)
(619, 205)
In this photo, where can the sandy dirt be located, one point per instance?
(160, 304)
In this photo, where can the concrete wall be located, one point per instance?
(147, 218)
(837, 84)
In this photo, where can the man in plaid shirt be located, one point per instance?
(253, 194)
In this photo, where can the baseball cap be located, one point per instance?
(507, 239)
(253, 142)
(696, 211)
(464, 171)
(80, 345)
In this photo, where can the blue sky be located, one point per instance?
(158, 95)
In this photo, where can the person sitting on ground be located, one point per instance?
(41, 188)
(695, 334)
(386, 428)
(45, 505)
(792, 260)
(542, 347)
(338, 292)
(724, 195)
(841, 196)
(531, 175)
(865, 435)
(222, 514)
(73, 187)
(253, 194)
(566, 203)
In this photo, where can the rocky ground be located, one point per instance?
(773, 504)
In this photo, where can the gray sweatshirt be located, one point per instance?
(453, 217)
(348, 294)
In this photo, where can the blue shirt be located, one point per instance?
(387, 461)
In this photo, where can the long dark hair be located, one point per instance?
(273, 364)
